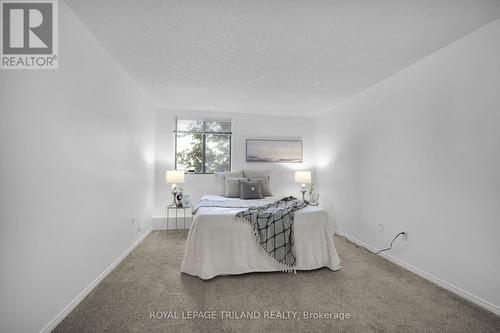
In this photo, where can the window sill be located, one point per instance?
(198, 173)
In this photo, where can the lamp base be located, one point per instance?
(177, 194)
(173, 204)
(303, 190)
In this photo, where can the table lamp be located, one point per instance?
(175, 177)
(303, 178)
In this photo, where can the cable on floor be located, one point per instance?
(379, 251)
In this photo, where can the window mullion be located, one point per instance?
(203, 158)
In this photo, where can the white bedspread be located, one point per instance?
(218, 245)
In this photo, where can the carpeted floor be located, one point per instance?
(378, 295)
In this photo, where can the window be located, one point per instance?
(203, 146)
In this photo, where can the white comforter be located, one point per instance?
(219, 245)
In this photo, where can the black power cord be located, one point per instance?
(375, 253)
(390, 247)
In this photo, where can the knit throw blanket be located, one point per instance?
(273, 228)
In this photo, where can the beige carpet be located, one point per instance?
(378, 295)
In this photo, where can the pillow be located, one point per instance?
(233, 188)
(221, 184)
(266, 187)
(252, 174)
(260, 174)
(251, 189)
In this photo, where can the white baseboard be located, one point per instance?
(448, 286)
(68, 308)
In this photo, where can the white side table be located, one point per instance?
(184, 209)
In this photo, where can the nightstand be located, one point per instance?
(184, 209)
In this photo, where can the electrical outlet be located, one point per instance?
(380, 226)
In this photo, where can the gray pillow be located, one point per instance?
(233, 188)
(266, 187)
(220, 180)
(251, 174)
(251, 189)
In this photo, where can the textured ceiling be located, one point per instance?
(276, 57)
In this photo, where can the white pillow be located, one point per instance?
(220, 180)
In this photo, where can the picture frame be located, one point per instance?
(274, 150)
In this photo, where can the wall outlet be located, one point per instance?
(380, 226)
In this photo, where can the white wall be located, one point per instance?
(244, 126)
(76, 164)
(420, 152)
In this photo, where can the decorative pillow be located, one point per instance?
(261, 174)
(266, 187)
(220, 182)
(251, 189)
(233, 188)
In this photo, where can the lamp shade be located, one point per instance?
(174, 177)
(303, 177)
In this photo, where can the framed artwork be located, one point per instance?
(273, 151)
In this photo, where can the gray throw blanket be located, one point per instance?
(273, 228)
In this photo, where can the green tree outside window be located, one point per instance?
(203, 146)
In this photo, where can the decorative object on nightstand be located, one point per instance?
(186, 201)
(313, 196)
(313, 199)
(175, 177)
(303, 178)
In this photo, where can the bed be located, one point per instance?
(219, 245)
